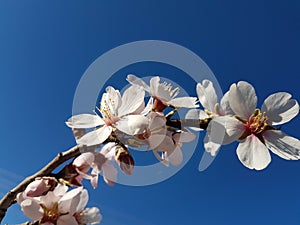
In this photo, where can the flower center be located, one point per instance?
(107, 111)
(50, 215)
(257, 123)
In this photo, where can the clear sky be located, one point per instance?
(45, 47)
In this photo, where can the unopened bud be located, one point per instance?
(41, 186)
(125, 160)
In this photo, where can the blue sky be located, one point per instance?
(45, 47)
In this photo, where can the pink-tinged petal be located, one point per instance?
(69, 202)
(194, 115)
(32, 209)
(83, 160)
(159, 142)
(184, 136)
(37, 188)
(109, 173)
(284, 146)
(84, 121)
(132, 124)
(66, 220)
(49, 199)
(225, 108)
(134, 80)
(60, 190)
(161, 158)
(95, 137)
(279, 108)
(157, 123)
(253, 154)
(94, 179)
(100, 159)
(84, 198)
(21, 197)
(175, 157)
(109, 150)
(90, 216)
(184, 102)
(132, 100)
(207, 95)
(242, 99)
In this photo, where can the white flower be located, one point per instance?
(163, 94)
(117, 112)
(99, 162)
(59, 207)
(255, 129)
(212, 109)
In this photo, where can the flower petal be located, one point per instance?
(159, 142)
(66, 220)
(253, 153)
(183, 136)
(90, 216)
(280, 108)
(132, 99)
(211, 145)
(175, 157)
(242, 99)
(132, 124)
(285, 146)
(225, 108)
(95, 137)
(109, 173)
(132, 79)
(69, 202)
(113, 98)
(207, 95)
(84, 198)
(183, 102)
(84, 121)
(224, 130)
(32, 209)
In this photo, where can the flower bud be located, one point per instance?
(125, 160)
(41, 186)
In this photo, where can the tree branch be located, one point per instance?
(179, 123)
(62, 157)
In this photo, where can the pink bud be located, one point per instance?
(125, 162)
(40, 187)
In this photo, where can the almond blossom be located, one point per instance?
(118, 112)
(255, 129)
(163, 93)
(59, 207)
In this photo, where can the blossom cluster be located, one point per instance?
(144, 115)
(49, 202)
